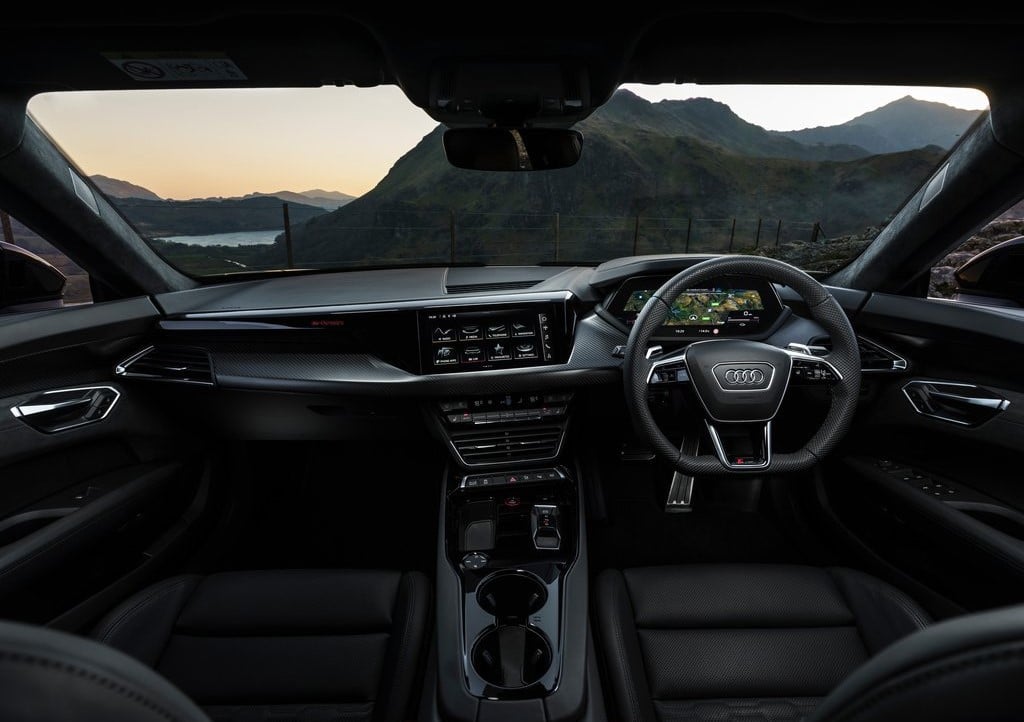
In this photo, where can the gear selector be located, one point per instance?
(544, 525)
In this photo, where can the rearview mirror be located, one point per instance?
(27, 282)
(505, 149)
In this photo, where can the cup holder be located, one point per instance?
(511, 656)
(511, 594)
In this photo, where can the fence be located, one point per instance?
(512, 238)
(409, 235)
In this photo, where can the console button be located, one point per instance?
(443, 334)
(526, 350)
(499, 350)
(445, 356)
(472, 354)
(497, 330)
(471, 333)
(474, 561)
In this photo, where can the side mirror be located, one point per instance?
(28, 282)
(505, 149)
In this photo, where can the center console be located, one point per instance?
(511, 536)
(512, 564)
(512, 595)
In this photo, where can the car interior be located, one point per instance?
(668, 483)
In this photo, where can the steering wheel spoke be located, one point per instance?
(742, 447)
(811, 369)
(669, 369)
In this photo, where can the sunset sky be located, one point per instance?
(199, 143)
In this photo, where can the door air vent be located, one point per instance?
(169, 363)
(495, 286)
(494, 446)
(873, 358)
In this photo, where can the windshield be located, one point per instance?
(220, 181)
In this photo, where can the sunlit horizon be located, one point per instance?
(185, 144)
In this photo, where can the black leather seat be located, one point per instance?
(296, 645)
(740, 642)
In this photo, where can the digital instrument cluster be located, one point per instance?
(731, 306)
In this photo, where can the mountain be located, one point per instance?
(714, 123)
(643, 164)
(903, 124)
(205, 217)
(115, 188)
(329, 200)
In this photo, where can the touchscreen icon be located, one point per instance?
(445, 356)
(522, 329)
(497, 330)
(443, 334)
(526, 351)
(499, 351)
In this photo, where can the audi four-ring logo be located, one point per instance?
(744, 377)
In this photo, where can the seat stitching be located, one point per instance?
(630, 687)
(101, 680)
(403, 640)
(925, 676)
(127, 614)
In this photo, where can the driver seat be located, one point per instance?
(774, 643)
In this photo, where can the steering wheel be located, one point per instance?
(741, 383)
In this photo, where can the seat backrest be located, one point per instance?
(964, 670)
(50, 676)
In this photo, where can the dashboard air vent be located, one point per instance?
(493, 446)
(496, 286)
(169, 363)
(873, 357)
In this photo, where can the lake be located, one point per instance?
(239, 238)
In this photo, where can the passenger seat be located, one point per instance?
(297, 645)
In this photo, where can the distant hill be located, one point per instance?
(903, 124)
(116, 188)
(664, 162)
(713, 123)
(201, 217)
(329, 200)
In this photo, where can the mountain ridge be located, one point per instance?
(669, 160)
(903, 124)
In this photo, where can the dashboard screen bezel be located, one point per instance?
(768, 318)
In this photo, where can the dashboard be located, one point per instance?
(447, 332)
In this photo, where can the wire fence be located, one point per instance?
(408, 235)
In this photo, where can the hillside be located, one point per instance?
(116, 188)
(903, 124)
(187, 218)
(713, 123)
(670, 160)
(328, 200)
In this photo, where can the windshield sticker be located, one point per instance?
(176, 67)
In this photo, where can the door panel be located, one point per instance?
(929, 476)
(92, 473)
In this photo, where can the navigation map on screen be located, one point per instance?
(703, 306)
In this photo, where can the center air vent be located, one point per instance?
(480, 448)
(169, 363)
(496, 286)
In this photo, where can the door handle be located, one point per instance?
(63, 409)
(963, 404)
